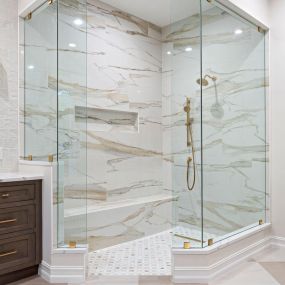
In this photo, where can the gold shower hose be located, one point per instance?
(190, 143)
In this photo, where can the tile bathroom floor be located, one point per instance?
(148, 256)
(265, 268)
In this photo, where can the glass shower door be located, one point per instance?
(182, 120)
(233, 123)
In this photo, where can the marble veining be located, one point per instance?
(107, 119)
(17, 176)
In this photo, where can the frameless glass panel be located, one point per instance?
(233, 123)
(55, 87)
(71, 124)
(182, 119)
(40, 90)
(125, 179)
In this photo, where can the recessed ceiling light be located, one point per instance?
(238, 31)
(72, 45)
(188, 49)
(78, 22)
(169, 52)
(31, 67)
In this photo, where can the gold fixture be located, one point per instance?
(210, 242)
(260, 222)
(29, 16)
(50, 158)
(30, 157)
(8, 221)
(72, 244)
(187, 245)
(187, 109)
(5, 195)
(260, 29)
(8, 253)
(50, 1)
(204, 82)
(210, 1)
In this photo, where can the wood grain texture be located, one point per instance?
(20, 229)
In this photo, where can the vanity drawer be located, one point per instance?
(17, 219)
(17, 253)
(17, 193)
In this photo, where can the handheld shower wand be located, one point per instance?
(190, 160)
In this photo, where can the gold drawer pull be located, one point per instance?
(8, 221)
(6, 195)
(8, 253)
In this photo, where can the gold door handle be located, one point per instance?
(8, 221)
(8, 253)
(6, 195)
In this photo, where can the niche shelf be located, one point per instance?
(100, 119)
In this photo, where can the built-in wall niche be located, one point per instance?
(100, 119)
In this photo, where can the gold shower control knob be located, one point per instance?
(189, 159)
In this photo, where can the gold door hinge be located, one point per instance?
(72, 244)
(29, 16)
(30, 157)
(210, 242)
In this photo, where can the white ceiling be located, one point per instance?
(158, 12)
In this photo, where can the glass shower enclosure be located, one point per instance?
(216, 64)
(54, 75)
(151, 127)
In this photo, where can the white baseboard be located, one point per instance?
(277, 241)
(68, 266)
(62, 274)
(202, 265)
(204, 274)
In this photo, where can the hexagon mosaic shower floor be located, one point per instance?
(143, 257)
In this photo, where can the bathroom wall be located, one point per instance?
(277, 69)
(259, 9)
(9, 85)
(23, 4)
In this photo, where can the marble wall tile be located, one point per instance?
(124, 73)
(9, 85)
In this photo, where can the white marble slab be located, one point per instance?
(17, 176)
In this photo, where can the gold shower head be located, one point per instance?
(203, 82)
